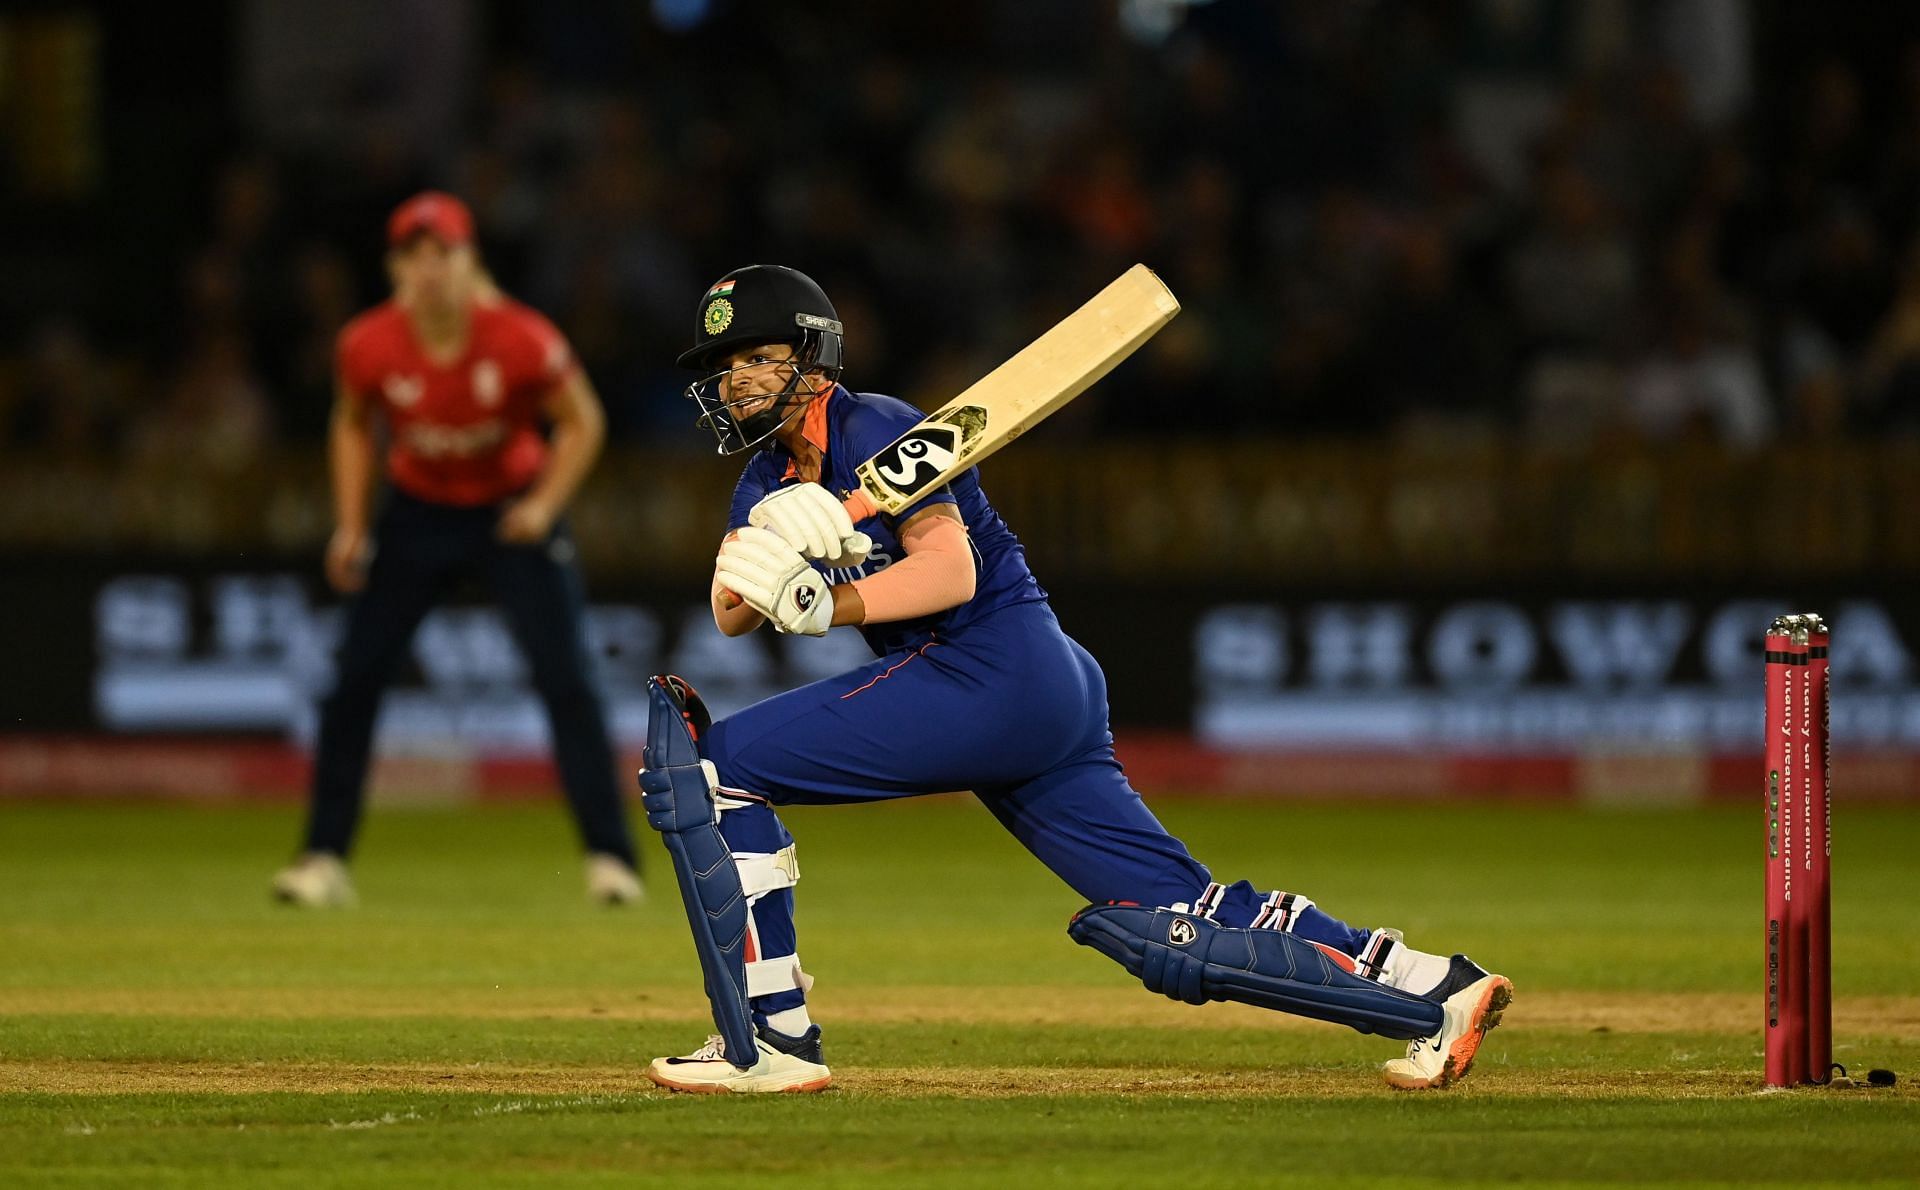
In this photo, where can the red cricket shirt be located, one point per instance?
(466, 431)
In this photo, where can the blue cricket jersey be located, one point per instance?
(855, 427)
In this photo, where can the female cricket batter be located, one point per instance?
(464, 379)
(975, 687)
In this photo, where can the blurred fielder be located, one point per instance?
(464, 380)
(975, 687)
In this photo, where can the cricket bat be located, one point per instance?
(1014, 397)
(1017, 395)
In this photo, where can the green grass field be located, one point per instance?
(476, 1023)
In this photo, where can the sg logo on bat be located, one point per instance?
(935, 447)
(917, 459)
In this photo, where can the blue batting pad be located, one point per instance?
(1186, 957)
(679, 803)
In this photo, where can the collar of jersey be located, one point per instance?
(813, 427)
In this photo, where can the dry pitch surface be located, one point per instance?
(1566, 1014)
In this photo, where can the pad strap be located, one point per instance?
(762, 873)
(1210, 897)
(1373, 959)
(1281, 911)
(782, 974)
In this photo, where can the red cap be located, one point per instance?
(434, 213)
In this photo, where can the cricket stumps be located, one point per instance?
(1799, 1012)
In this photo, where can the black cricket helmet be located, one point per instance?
(761, 303)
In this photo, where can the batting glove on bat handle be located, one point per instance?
(859, 507)
(813, 522)
(777, 581)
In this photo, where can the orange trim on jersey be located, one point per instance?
(888, 672)
(813, 426)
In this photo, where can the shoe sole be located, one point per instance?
(1487, 1018)
(1493, 1005)
(814, 1084)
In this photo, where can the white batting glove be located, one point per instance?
(759, 566)
(813, 522)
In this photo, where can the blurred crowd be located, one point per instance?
(1566, 223)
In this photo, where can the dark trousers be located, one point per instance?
(420, 550)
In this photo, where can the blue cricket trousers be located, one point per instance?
(1009, 707)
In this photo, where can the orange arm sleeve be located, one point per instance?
(936, 574)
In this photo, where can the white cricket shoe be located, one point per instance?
(611, 881)
(790, 1064)
(1439, 1061)
(317, 880)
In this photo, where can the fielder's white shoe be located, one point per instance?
(610, 881)
(786, 1064)
(1441, 1060)
(317, 880)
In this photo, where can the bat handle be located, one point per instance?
(859, 507)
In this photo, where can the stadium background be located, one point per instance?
(1534, 354)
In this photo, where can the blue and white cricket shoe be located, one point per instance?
(1473, 1002)
(789, 1064)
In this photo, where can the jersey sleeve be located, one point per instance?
(550, 356)
(754, 484)
(877, 423)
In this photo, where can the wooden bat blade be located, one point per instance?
(1019, 394)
